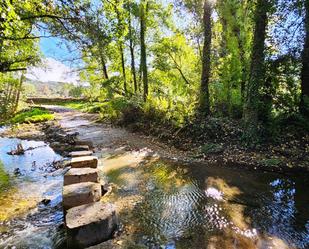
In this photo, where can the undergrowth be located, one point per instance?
(153, 120)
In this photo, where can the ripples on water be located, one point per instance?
(19, 194)
(178, 208)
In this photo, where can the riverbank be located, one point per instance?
(218, 143)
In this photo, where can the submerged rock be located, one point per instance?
(45, 201)
(18, 151)
(17, 172)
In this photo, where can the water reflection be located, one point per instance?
(220, 207)
(278, 214)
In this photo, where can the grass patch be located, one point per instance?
(92, 107)
(4, 179)
(34, 115)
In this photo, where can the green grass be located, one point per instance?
(93, 107)
(34, 115)
(4, 178)
(77, 105)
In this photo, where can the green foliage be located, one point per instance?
(4, 178)
(18, 48)
(120, 58)
(34, 115)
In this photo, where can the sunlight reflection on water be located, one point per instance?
(221, 202)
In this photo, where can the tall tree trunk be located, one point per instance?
(103, 65)
(144, 72)
(19, 88)
(132, 54)
(104, 70)
(103, 62)
(304, 101)
(257, 71)
(123, 68)
(204, 91)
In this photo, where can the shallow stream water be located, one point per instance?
(199, 206)
(26, 180)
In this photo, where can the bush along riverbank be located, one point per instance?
(283, 144)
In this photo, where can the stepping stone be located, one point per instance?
(90, 224)
(84, 142)
(84, 162)
(80, 193)
(77, 175)
(80, 153)
(81, 147)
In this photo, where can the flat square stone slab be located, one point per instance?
(90, 224)
(80, 153)
(81, 147)
(84, 162)
(80, 193)
(77, 175)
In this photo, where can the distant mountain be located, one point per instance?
(50, 88)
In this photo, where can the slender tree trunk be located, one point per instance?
(10, 90)
(182, 75)
(132, 54)
(257, 71)
(243, 74)
(204, 91)
(103, 65)
(304, 101)
(144, 72)
(18, 93)
(123, 68)
(105, 70)
(243, 63)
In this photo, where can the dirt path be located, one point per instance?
(108, 139)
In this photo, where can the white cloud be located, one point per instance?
(52, 70)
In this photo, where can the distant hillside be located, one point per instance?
(49, 88)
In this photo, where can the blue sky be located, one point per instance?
(57, 64)
(57, 49)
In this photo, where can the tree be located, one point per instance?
(304, 103)
(130, 8)
(204, 94)
(143, 61)
(257, 70)
(235, 29)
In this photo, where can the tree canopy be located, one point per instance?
(186, 59)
